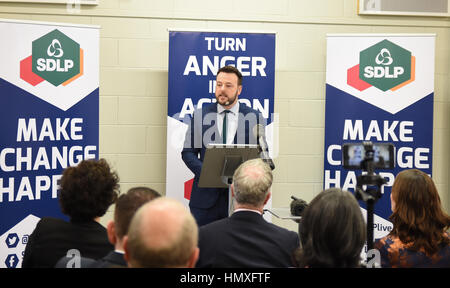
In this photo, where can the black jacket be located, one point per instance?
(53, 238)
(245, 239)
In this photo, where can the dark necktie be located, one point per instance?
(224, 126)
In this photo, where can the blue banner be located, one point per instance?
(37, 144)
(49, 89)
(345, 115)
(379, 89)
(194, 59)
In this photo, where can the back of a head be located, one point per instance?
(332, 231)
(88, 189)
(162, 234)
(127, 204)
(418, 217)
(252, 181)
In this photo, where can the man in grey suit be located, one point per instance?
(225, 122)
(245, 239)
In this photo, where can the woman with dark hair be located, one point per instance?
(87, 190)
(332, 231)
(418, 237)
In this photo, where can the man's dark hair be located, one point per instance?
(332, 231)
(128, 204)
(88, 189)
(231, 69)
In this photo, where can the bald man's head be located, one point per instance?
(163, 233)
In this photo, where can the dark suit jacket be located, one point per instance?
(52, 238)
(203, 123)
(246, 240)
(113, 259)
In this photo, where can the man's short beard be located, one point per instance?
(228, 102)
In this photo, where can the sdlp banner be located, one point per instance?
(49, 87)
(379, 88)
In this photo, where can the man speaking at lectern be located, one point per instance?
(228, 122)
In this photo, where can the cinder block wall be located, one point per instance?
(134, 72)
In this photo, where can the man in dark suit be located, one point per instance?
(226, 122)
(245, 239)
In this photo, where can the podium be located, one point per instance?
(220, 162)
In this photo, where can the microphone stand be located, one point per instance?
(265, 157)
(263, 149)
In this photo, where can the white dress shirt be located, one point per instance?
(232, 121)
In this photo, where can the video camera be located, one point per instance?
(368, 156)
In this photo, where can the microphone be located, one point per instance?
(298, 206)
(260, 133)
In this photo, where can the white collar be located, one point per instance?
(245, 209)
(234, 109)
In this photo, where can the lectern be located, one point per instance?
(220, 162)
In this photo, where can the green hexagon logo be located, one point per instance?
(385, 65)
(55, 57)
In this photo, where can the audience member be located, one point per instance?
(126, 206)
(245, 239)
(87, 191)
(162, 234)
(332, 231)
(419, 237)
